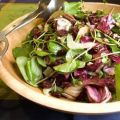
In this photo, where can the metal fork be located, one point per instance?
(45, 9)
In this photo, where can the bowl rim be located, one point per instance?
(55, 103)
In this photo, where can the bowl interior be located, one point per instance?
(10, 74)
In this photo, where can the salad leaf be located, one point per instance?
(87, 57)
(41, 53)
(41, 62)
(100, 13)
(21, 62)
(80, 64)
(48, 71)
(29, 72)
(117, 81)
(112, 40)
(22, 51)
(72, 53)
(70, 66)
(74, 8)
(36, 69)
(76, 45)
(55, 88)
(114, 48)
(104, 1)
(116, 16)
(54, 47)
(101, 73)
(116, 30)
(75, 81)
(52, 58)
(105, 58)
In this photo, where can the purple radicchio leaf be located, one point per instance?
(93, 94)
(106, 95)
(100, 82)
(94, 66)
(94, 81)
(106, 24)
(109, 70)
(115, 58)
(98, 94)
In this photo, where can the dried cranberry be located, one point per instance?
(46, 84)
(82, 96)
(62, 33)
(60, 78)
(61, 53)
(58, 62)
(56, 94)
(36, 32)
(110, 83)
(66, 84)
(94, 19)
(75, 31)
(50, 21)
(93, 66)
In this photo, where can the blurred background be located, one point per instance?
(13, 106)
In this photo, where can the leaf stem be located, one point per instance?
(105, 56)
(46, 78)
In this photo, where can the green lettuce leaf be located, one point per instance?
(54, 47)
(70, 66)
(74, 8)
(21, 62)
(72, 53)
(116, 16)
(22, 51)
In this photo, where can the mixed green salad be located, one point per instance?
(75, 54)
